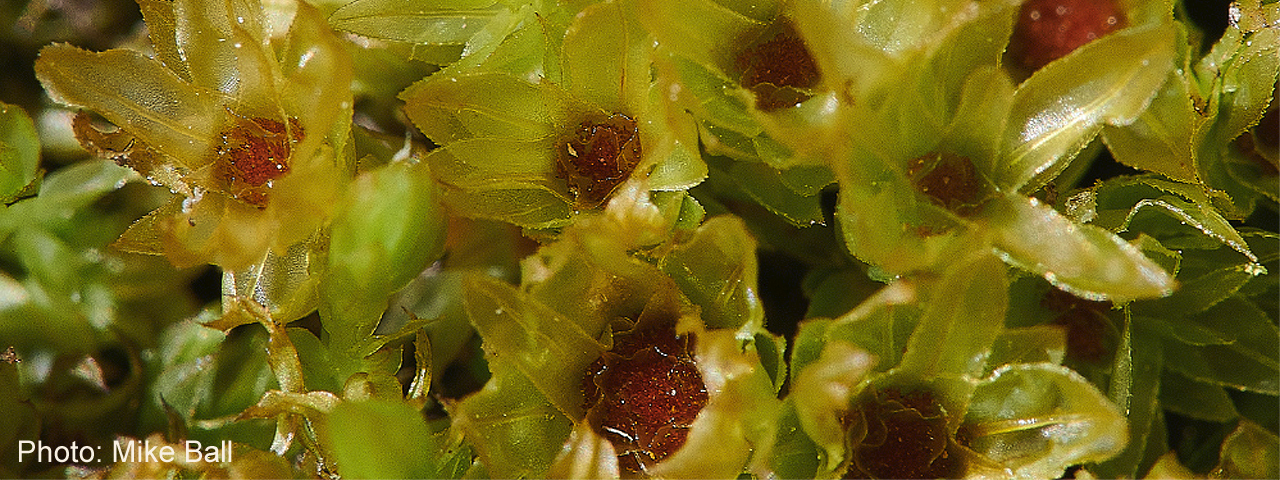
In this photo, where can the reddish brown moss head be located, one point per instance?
(903, 435)
(1049, 29)
(778, 70)
(598, 156)
(253, 153)
(644, 394)
(948, 180)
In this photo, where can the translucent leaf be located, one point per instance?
(716, 269)
(1037, 344)
(224, 45)
(418, 21)
(549, 350)
(137, 94)
(687, 27)
(390, 228)
(19, 153)
(1161, 139)
(794, 454)
(485, 106)
(1197, 294)
(1082, 259)
(514, 429)
(965, 313)
(1036, 420)
(606, 61)
(415, 453)
(1248, 81)
(318, 70)
(1199, 215)
(764, 185)
(161, 30)
(486, 163)
(531, 207)
(586, 455)
(1062, 106)
(822, 392)
(283, 283)
(1248, 452)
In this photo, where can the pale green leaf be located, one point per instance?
(1062, 106)
(19, 153)
(486, 106)
(606, 58)
(962, 319)
(716, 269)
(390, 227)
(416, 21)
(552, 352)
(1082, 259)
(1036, 420)
(513, 428)
(139, 95)
(1161, 140)
(415, 453)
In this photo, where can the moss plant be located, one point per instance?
(641, 239)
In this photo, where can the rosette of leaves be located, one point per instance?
(243, 115)
(552, 121)
(604, 365)
(934, 147)
(725, 64)
(1212, 123)
(918, 382)
(1207, 353)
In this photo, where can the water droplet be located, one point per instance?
(239, 19)
(237, 45)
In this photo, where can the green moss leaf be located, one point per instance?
(417, 452)
(1082, 259)
(450, 108)
(390, 228)
(964, 315)
(716, 269)
(513, 428)
(431, 22)
(552, 352)
(137, 94)
(19, 154)
(606, 58)
(1061, 107)
(1036, 420)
